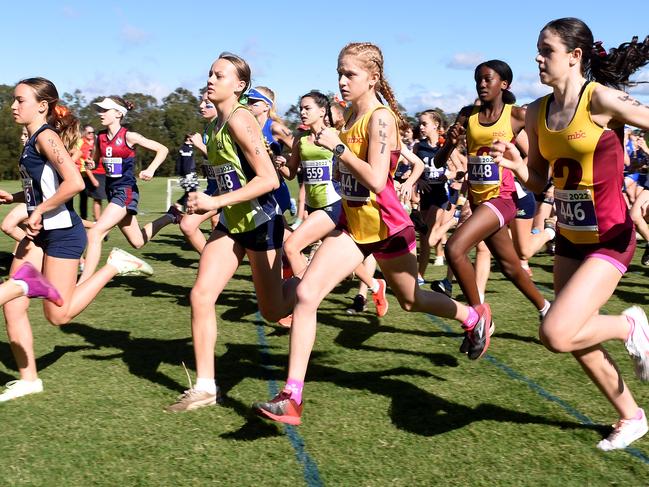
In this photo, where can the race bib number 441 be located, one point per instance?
(576, 209)
(483, 170)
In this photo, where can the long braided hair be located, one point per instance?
(371, 58)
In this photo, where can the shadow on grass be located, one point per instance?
(42, 362)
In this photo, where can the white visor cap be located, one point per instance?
(108, 103)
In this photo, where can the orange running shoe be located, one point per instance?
(281, 408)
(380, 299)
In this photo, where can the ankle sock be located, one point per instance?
(471, 320)
(205, 385)
(375, 286)
(631, 327)
(546, 306)
(295, 387)
(23, 286)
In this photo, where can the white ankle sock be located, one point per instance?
(375, 286)
(23, 285)
(205, 385)
(545, 308)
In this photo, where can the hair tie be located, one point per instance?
(61, 111)
(598, 49)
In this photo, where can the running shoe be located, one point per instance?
(466, 343)
(442, 286)
(281, 408)
(193, 399)
(380, 299)
(358, 305)
(645, 256)
(175, 214)
(37, 285)
(127, 264)
(439, 261)
(480, 335)
(638, 342)
(420, 281)
(625, 432)
(287, 321)
(20, 388)
(418, 222)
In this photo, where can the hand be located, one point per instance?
(34, 224)
(327, 138)
(90, 164)
(280, 161)
(195, 138)
(146, 175)
(6, 197)
(506, 154)
(405, 191)
(199, 202)
(454, 133)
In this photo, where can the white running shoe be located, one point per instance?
(127, 264)
(439, 261)
(19, 388)
(638, 343)
(625, 432)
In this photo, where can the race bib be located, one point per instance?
(316, 172)
(483, 170)
(113, 166)
(30, 196)
(575, 210)
(209, 172)
(350, 188)
(432, 174)
(227, 179)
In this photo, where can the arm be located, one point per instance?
(453, 135)
(415, 173)
(612, 108)
(283, 134)
(161, 152)
(534, 175)
(197, 140)
(246, 133)
(293, 163)
(373, 173)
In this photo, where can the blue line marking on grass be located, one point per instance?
(582, 418)
(311, 473)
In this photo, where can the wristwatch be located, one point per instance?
(339, 149)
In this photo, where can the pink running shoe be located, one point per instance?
(37, 285)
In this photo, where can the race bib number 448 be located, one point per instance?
(483, 170)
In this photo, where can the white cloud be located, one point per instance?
(450, 102)
(465, 60)
(108, 84)
(527, 87)
(643, 88)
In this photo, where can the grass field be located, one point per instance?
(388, 401)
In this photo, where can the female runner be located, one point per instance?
(577, 130)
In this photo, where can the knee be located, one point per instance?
(408, 304)
(94, 234)
(553, 341)
(201, 296)
(290, 249)
(187, 227)
(57, 317)
(307, 295)
(453, 252)
(511, 270)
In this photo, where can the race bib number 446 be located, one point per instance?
(576, 209)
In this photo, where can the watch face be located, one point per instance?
(339, 149)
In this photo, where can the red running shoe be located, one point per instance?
(281, 408)
(380, 299)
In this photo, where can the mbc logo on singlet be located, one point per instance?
(498, 133)
(580, 134)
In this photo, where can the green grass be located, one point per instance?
(388, 402)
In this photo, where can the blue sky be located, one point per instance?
(430, 48)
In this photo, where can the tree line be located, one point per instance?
(167, 122)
